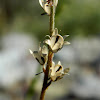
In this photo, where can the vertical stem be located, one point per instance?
(42, 93)
(52, 18)
(50, 54)
(45, 82)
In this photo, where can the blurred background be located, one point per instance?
(22, 27)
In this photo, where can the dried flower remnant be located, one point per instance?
(56, 41)
(57, 72)
(41, 55)
(46, 5)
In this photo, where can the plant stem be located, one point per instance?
(52, 19)
(46, 83)
(50, 54)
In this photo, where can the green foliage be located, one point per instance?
(80, 17)
(74, 17)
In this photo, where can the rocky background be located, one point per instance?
(22, 27)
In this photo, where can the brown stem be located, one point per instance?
(46, 84)
(42, 93)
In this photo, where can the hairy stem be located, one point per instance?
(50, 54)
